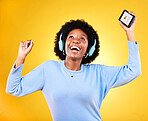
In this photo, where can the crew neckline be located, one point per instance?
(81, 70)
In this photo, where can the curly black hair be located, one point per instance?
(85, 27)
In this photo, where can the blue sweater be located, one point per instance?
(74, 95)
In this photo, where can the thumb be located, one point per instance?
(121, 23)
(28, 49)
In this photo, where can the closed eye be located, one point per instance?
(70, 36)
(82, 38)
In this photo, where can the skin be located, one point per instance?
(73, 59)
(130, 31)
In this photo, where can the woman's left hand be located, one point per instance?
(131, 29)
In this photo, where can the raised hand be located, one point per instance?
(131, 29)
(24, 50)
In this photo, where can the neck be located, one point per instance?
(74, 65)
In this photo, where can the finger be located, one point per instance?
(123, 26)
(21, 44)
(133, 14)
(24, 44)
(134, 22)
(31, 44)
(28, 43)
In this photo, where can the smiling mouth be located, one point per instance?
(74, 48)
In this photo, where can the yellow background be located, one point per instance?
(40, 20)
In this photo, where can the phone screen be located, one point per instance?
(126, 18)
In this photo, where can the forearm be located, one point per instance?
(14, 79)
(126, 73)
(19, 61)
(31, 82)
(131, 36)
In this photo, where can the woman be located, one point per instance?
(74, 90)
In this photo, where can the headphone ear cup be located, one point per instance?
(92, 49)
(60, 43)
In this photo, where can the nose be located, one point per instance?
(76, 41)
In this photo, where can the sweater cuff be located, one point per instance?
(18, 69)
(133, 46)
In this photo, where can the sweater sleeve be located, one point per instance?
(117, 76)
(20, 86)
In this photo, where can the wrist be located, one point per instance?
(129, 31)
(21, 57)
(131, 36)
(19, 61)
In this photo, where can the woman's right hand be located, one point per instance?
(25, 48)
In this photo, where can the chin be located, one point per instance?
(75, 57)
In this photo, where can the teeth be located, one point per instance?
(75, 47)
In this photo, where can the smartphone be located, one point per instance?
(126, 18)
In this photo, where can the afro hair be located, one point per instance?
(85, 27)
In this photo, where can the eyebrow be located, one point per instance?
(81, 34)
